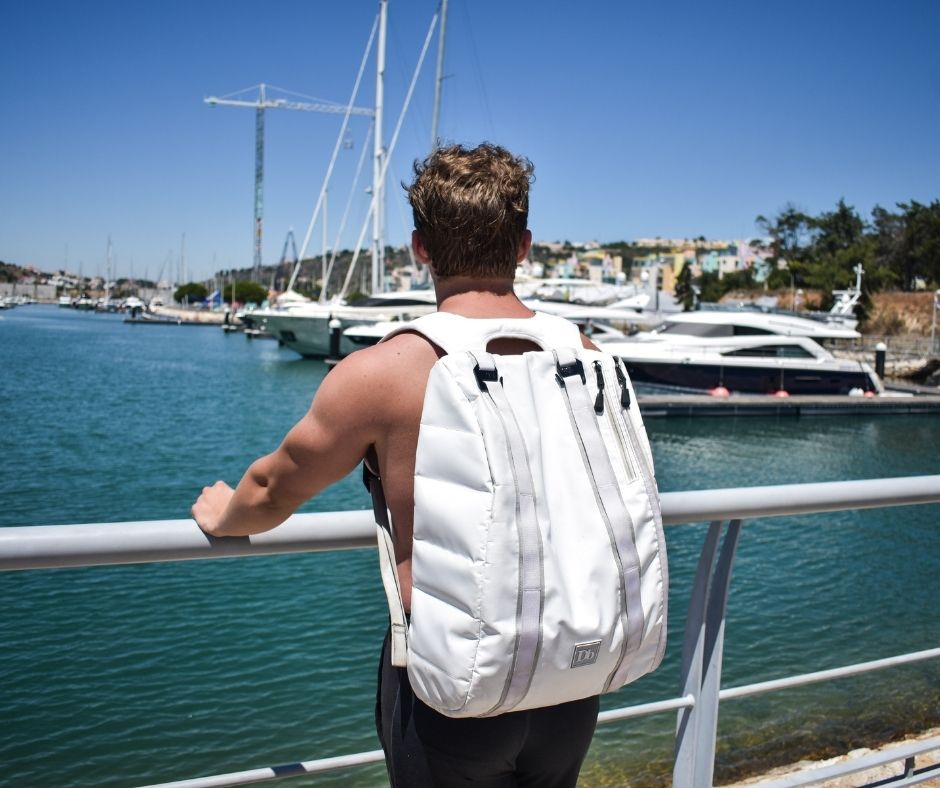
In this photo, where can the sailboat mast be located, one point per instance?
(378, 189)
(107, 284)
(325, 239)
(439, 78)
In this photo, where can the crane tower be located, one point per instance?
(260, 104)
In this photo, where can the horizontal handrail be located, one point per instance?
(746, 690)
(645, 709)
(268, 773)
(96, 544)
(52, 546)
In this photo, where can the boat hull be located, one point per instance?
(309, 334)
(749, 379)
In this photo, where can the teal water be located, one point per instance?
(122, 676)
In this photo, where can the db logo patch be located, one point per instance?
(585, 654)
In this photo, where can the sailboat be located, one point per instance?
(305, 326)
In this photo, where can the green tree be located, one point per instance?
(836, 230)
(190, 292)
(888, 238)
(684, 293)
(738, 280)
(839, 243)
(711, 287)
(920, 247)
(248, 292)
(790, 233)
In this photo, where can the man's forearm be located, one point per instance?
(253, 508)
(321, 448)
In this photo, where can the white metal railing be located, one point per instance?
(41, 547)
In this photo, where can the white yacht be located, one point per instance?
(305, 327)
(593, 322)
(580, 291)
(746, 364)
(721, 323)
(745, 352)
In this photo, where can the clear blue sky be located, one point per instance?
(642, 119)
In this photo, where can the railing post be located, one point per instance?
(697, 727)
(693, 647)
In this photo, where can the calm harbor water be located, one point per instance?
(123, 676)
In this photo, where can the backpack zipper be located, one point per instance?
(614, 549)
(618, 429)
(625, 425)
(599, 399)
(632, 468)
(624, 390)
(498, 707)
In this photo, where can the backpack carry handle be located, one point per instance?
(455, 333)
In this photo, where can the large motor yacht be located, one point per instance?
(746, 352)
(745, 364)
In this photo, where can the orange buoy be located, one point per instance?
(781, 393)
(719, 391)
(869, 393)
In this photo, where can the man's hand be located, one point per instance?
(210, 506)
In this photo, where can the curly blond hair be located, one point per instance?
(471, 208)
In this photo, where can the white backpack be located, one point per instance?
(539, 562)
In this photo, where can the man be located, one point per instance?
(471, 212)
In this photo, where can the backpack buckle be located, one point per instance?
(485, 376)
(568, 370)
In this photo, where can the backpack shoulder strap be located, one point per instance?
(455, 333)
(388, 567)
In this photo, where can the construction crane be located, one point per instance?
(260, 104)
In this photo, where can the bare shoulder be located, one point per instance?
(379, 381)
(588, 344)
(387, 362)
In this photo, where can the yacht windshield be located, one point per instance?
(691, 329)
(778, 351)
(401, 301)
(696, 329)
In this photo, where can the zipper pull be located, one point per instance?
(624, 391)
(599, 399)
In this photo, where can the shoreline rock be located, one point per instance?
(865, 777)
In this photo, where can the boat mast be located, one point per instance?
(378, 188)
(439, 78)
(107, 284)
(325, 239)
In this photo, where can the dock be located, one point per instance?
(171, 316)
(685, 405)
(167, 321)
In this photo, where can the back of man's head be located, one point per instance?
(471, 208)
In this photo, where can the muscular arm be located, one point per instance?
(324, 446)
(352, 411)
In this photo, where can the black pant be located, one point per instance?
(539, 748)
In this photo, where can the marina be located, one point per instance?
(134, 674)
(782, 352)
